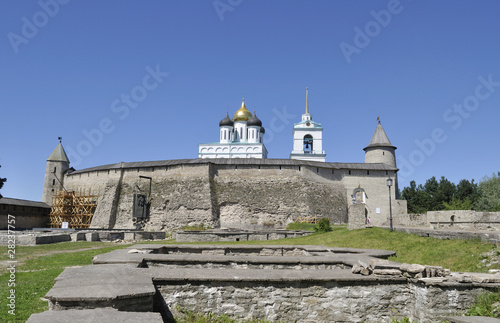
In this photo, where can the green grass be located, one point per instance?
(456, 255)
(301, 226)
(488, 304)
(35, 274)
(35, 277)
(187, 316)
(27, 252)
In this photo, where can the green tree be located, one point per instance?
(489, 188)
(417, 199)
(444, 194)
(431, 188)
(456, 204)
(468, 191)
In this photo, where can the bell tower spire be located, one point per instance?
(307, 100)
(308, 138)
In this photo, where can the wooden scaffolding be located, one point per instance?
(75, 208)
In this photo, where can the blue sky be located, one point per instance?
(150, 80)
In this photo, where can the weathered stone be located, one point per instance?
(412, 269)
(365, 271)
(472, 319)
(390, 272)
(95, 315)
(363, 264)
(356, 269)
(313, 295)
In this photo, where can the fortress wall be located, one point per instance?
(180, 196)
(464, 219)
(270, 197)
(231, 195)
(95, 181)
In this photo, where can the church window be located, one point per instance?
(367, 172)
(55, 169)
(53, 182)
(308, 144)
(349, 172)
(383, 153)
(386, 172)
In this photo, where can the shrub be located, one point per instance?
(323, 225)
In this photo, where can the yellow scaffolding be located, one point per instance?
(75, 208)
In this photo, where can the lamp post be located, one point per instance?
(389, 184)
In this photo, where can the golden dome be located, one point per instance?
(242, 114)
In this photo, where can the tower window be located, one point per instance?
(383, 153)
(367, 172)
(53, 182)
(349, 172)
(308, 144)
(55, 169)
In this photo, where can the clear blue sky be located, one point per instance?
(429, 69)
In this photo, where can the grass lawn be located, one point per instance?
(39, 265)
(35, 275)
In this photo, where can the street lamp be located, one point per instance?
(389, 184)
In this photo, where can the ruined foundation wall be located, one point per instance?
(464, 219)
(320, 302)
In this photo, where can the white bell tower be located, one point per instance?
(308, 138)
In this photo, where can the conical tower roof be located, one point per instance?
(58, 154)
(379, 139)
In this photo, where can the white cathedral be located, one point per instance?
(243, 137)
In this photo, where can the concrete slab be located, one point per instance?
(108, 315)
(119, 286)
(472, 319)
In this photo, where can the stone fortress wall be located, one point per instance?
(234, 193)
(452, 219)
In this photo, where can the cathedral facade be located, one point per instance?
(240, 137)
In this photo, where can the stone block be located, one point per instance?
(94, 315)
(129, 236)
(77, 236)
(389, 272)
(92, 236)
(412, 269)
(119, 286)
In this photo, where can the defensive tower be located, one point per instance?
(380, 149)
(57, 165)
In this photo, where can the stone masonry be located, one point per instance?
(277, 283)
(243, 194)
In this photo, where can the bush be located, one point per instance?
(323, 225)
